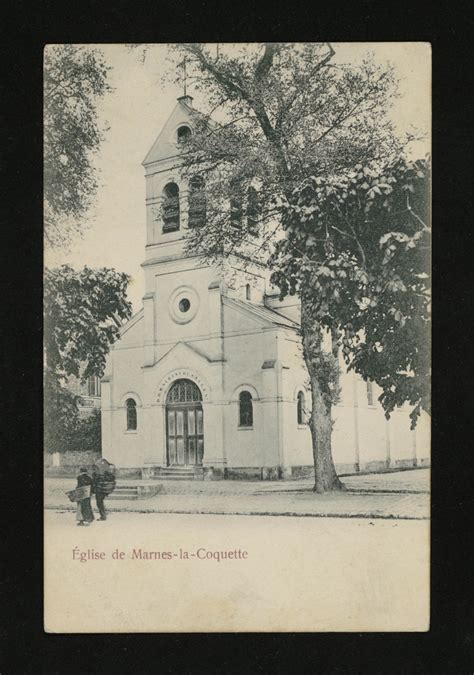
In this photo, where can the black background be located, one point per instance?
(449, 645)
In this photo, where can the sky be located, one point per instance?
(135, 112)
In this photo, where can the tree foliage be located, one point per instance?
(86, 435)
(83, 313)
(61, 414)
(74, 79)
(284, 112)
(65, 429)
(358, 246)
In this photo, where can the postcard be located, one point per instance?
(237, 337)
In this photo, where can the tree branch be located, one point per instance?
(265, 63)
(344, 116)
(235, 88)
(410, 210)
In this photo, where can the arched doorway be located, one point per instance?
(184, 424)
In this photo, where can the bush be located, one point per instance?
(61, 415)
(86, 436)
(64, 429)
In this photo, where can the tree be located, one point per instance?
(61, 414)
(74, 79)
(83, 313)
(86, 436)
(288, 114)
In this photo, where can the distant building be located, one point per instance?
(208, 378)
(89, 393)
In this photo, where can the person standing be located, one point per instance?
(84, 514)
(103, 484)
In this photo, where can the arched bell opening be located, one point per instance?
(171, 208)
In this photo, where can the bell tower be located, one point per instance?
(182, 296)
(167, 213)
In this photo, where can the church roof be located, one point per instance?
(262, 312)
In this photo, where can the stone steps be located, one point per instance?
(139, 490)
(178, 473)
(123, 493)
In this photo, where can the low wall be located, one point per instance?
(72, 470)
(353, 469)
(253, 473)
(307, 471)
(67, 464)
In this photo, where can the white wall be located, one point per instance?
(361, 434)
(124, 371)
(247, 345)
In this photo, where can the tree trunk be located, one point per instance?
(325, 475)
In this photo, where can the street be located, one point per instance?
(156, 572)
(403, 494)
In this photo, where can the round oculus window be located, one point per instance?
(184, 305)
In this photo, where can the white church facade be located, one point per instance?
(207, 379)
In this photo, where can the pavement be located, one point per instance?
(389, 495)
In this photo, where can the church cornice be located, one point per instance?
(264, 314)
(132, 321)
(169, 258)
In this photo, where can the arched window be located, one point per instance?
(245, 409)
(183, 391)
(131, 414)
(183, 134)
(253, 210)
(197, 201)
(300, 408)
(247, 292)
(171, 208)
(370, 393)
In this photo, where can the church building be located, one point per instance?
(207, 379)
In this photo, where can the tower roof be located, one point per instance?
(165, 145)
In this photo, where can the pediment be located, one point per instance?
(165, 145)
(185, 348)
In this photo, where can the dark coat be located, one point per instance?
(84, 479)
(85, 504)
(104, 483)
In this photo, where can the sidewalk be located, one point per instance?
(403, 494)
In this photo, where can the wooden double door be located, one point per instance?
(185, 434)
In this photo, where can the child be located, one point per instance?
(84, 514)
